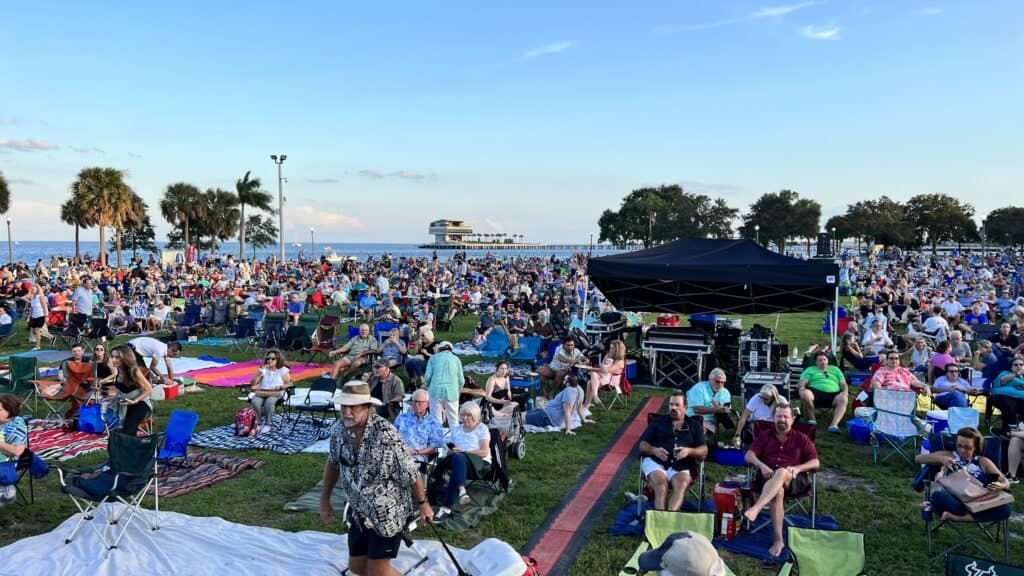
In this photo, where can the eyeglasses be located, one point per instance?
(271, 357)
(952, 370)
(421, 401)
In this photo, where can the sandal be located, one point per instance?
(589, 421)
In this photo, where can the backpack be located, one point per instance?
(247, 422)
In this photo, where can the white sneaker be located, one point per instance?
(8, 494)
(463, 496)
(264, 429)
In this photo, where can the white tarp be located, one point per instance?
(190, 545)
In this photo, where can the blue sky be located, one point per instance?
(524, 118)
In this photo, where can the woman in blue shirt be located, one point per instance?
(1008, 394)
(13, 440)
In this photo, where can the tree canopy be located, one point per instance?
(1005, 226)
(779, 216)
(663, 214)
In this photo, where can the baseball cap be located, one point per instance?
(684, 554)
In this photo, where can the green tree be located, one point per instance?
(5, 195)
(843, 229)
(106, 200)
(780, 216)
(663, 214)
(941, 218)
(74, 214)
(260, 231)
(221, 222)
(1005, 226)
(881, 221)
(181, 205)
(138, 231)
(249, 194)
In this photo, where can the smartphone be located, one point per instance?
(451, 445)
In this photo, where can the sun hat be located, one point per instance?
(356, 393)
(445, 344)
(684, 554)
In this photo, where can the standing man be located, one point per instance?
(81, 301)
(669, 446)
(784, 457)
(157, 352)
(711, 400)
(444, 381)
(375, 471)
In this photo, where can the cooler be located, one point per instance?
(939, 419)
(630, 369)
(530, 386)
(860, 430)
(727, 497)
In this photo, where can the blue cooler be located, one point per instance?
(730, 456)
(529, 386)
(939, 419)
(630, 369)
(860, 430)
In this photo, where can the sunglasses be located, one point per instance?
(271, 358)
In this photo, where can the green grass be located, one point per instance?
(886, 510)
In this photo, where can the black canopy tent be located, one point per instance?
(694, 275)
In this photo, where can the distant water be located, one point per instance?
(32, 251)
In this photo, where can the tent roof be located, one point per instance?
(697, 275)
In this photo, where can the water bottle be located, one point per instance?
(529, 404)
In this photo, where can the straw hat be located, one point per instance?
(356, 393)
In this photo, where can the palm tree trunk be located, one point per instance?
(77, 255)
(117, 237)
(186, 234)
(103, 246)
(241, 231)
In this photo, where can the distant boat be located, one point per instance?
(297, 244)
(333, 257)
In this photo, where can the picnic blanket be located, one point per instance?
(213, 341)
(52, 441)
(42, 356)
(201, 470)
(185, 364)
(757, 544)
(310, 501)
(280, 439)
(465, 348)
(517, 371)
(239, 373)
(482, 502)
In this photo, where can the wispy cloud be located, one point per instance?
(494, 224)
(829, 31)
(929, 11)
(134, 155)
(553, 48)
(306, 216)
(25, 181)
(399, 174)
(86, 150)
(30, 145)
(321, 180)
(767, 12)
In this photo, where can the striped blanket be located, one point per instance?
(201, 470)
(51, 441)
(280, 439)
(241, 373)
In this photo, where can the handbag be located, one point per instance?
(90, 419)
(961, 485)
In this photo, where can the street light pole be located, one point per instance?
(10, 249)
(757, 233)
(650, 229)
(312, 244)
(280, 200)
(591, 245)
(835, 241)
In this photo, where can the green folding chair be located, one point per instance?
(24, 369)
(825, 552)
(660, 524)
(959, 564)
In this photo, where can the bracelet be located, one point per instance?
(421, 502)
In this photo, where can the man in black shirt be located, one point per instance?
(671, 446)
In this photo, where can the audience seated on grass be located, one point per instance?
(558, 412)
(421, 431)
(566, 356)
(469, 457)
(824, 386)
(671, 447)
(353, 353)
(711, 400)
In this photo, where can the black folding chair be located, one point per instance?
(319, 399)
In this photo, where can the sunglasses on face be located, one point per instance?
(271, 357)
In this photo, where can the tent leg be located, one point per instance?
(835, 318)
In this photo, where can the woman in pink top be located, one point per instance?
(939, 360)
(892, 376)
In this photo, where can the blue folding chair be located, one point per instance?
(180, 427)
(496, 344)
(529, 348)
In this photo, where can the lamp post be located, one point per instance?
(591, 244)
(10, 248)
(650, 229)
(280, 200)
(312, 244)
(757, 233)
(835, 241)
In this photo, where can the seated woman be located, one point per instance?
(469, 457)
(853, 355)
(758, 408)
(131, 388)
(940, 360)
(606, 373)
(823, 386)
(950, 389)
(1008, 395)
(498, 393)
(967, 456)
(918, 356)
(393, 348)
(877, 338)
(269, 385)
(156, 320)
(13, 440)
(416, 365)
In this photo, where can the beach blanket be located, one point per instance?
(241, 373)
(517, 371)
(51, 441)
(319, 447)
(184, 364)
(280, 439)
(465, 348)
(213, 341)
(310, 501)
(482, 502)
(757, 544)
(42, 356)
(201, 470)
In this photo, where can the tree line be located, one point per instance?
(651, 216)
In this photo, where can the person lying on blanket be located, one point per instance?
(671, 445)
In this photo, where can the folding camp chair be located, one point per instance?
(497, 478)
(959, 564)
(894, 426)
(617, 392)
(23, 370)
(659, 525)
(824, 552)
(696, 488)
(244, 334)
(6, 333)
(180, 427)
(323, 345)
(32, 466)
(529, 348)
(496, 344)
(993, 524)
(125, 479)
(319, 399)
(58, 398)
(799, 500)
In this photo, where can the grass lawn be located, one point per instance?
(876, 500)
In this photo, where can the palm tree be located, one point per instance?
(132, 218)
(106, 201)
(181, 205)
(249, 193)
(72, 214)
(221, 221)
(5, 195)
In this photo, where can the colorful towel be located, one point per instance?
(241, 373)
(201, 471)
(51, 441)
(280, 439)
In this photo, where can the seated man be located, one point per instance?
(670, 445)
(950, 389)
(784, 457)
(422, 432)
(393, 349)
(157, 351)
(958, 348)
(824, 385)
(388, 388)
(367, 302)
(566, 356)
(353, 353)
(517, 325)
(711, 400)
(485, 325)
(296, 307)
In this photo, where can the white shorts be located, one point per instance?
(649, 466)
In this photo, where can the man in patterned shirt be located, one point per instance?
(369, 459)
(422, 432)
